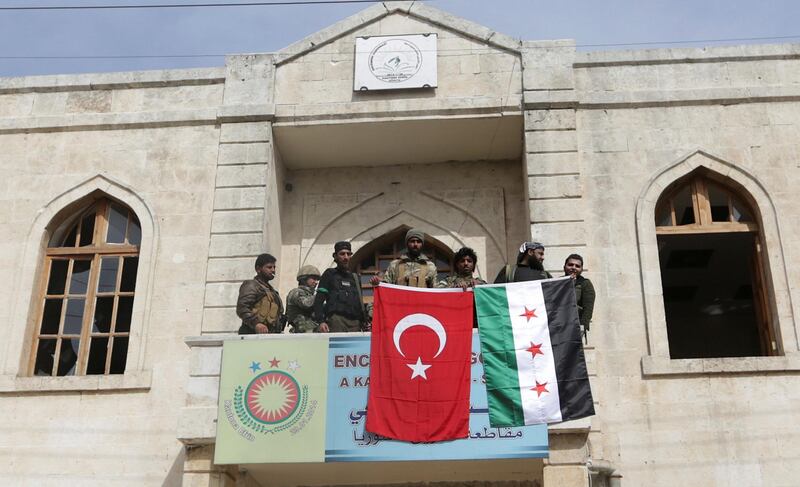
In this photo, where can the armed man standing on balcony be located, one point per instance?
(338, 306)
(300, 301)
(413, 268)
(259, 304)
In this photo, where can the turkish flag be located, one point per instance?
(420, 363)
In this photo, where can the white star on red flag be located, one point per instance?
(418, 369)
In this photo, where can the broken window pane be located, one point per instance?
(45, 355)
(664, 216)
(718, 199)
(740, 212)
(119, 355)
(97, 356)
(128, 283)
(58, 277)
(124, 312)
(684, 211)
(69, 241)
(80, 276)
(73, 318)
(134, 231)
(69, 356)
(51, 316)
(117, 223)
(87, 230)
(103, 308)
(108, 275)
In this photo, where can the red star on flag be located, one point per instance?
(540, 388)
(274, 362)
(534, 349)
(529, 313)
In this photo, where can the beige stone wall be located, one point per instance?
(476, 204)
(115, 429)
(467, 68)
(642, 122)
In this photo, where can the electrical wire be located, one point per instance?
(460, 52)
(184, 5)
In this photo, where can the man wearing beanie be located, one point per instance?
(529, 266)
(413, 268)
(338, 306)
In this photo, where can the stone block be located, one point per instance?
(242, 175)
(220, 320)
(549, 98)
(197, 425)
(570, 234)
(239, 198)
(237, 221)
(236, 245)
(230, 269)
(606, 141)
(538, 77)
(248, 79)
(245, 132)
(555, 210)
(560, 186)
(252, 153)
(566, 476)
(221, 294)
(202, 391)
(205, 361)
(551, 141)
(553, 163)
(568, 448)
(89, 101)
(550, 119)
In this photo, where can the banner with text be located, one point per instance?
(304, 400)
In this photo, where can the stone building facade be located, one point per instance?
(520, 140)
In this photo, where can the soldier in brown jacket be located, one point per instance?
(259, 304)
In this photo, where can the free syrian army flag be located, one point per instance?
(419, 374)
(532, 353)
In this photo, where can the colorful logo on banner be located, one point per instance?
(303, 399)
(272, 399)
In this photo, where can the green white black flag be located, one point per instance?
(533, 353)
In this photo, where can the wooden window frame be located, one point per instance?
(698, 184)
(95, 253)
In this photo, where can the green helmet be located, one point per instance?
(307, 271)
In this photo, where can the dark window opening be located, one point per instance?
(708, 314)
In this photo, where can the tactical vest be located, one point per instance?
(412, 274)
(267, 309)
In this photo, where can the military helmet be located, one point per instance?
(307, 270)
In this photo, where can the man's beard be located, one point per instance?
(535, 264)
(413, 253)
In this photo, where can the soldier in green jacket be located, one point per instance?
(584, 290)
(464, 262)
(300, 301)
(413, 268)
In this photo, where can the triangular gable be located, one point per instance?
(416, 10)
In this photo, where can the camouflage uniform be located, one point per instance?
(459, 281)
(299, 308)
(407, 271)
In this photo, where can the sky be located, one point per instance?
(231, 30)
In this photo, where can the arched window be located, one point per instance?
(376, 256)
(712, 270)
(85, 302)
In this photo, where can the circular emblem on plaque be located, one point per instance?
(395, 60)
(272, 397)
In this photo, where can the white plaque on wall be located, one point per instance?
(395, 62)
